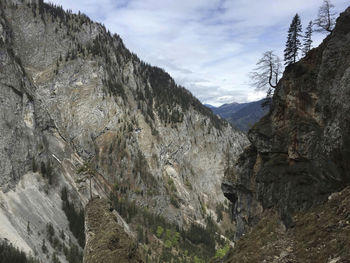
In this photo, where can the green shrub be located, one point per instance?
(160, 231)
(167, 244)
(220, 253)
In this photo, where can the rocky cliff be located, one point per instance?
(300, 151)
(82, 116)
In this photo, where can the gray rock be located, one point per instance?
(301, 149)
(75, 99)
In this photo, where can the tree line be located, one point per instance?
(10, 253)
(269, 67)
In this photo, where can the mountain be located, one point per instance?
(290, 188)
(247, 116)
(241, 115)
(226, 110)
(210, 106)
(83, 118)
(103, 156)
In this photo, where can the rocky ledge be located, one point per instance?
(320, 234)
(106, 240)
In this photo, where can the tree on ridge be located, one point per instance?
(267, 74)
(293, 43)
(325, 20)
(307, 39)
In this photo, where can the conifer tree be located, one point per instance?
(307, 39)
(293, 43)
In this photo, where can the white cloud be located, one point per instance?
(208, 46)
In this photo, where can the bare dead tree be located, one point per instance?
(325, 21)
(267, 73)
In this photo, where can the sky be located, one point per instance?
(207, 46)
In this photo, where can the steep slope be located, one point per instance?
(106, 240)
(320, 234)
(31, 159)
(241, 115)
(244, 118)
(210, 106)
(82, 116)
(226, 110)
(300, 151)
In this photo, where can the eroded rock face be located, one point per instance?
(241, 191)
(75, 101)
(106, 240)
(129, 121)
(301, 149)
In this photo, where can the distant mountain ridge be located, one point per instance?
(241, 115)
(210, 106)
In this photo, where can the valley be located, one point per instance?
(105, 158)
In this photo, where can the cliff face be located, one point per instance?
(77, 106)
(300, 151)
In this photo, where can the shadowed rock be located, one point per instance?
(301, 149)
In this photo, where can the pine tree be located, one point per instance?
(307, 39)
(293, 43)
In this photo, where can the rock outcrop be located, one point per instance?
(300, 151)
(320, 234)
(106, 240)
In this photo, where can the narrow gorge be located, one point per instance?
(105, 158)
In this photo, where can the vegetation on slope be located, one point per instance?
(161, 97)
(321, 234)
(164, 241)
(106, 240)
(9, 253)
(242, 115)
(158, 93)
(75, 218)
